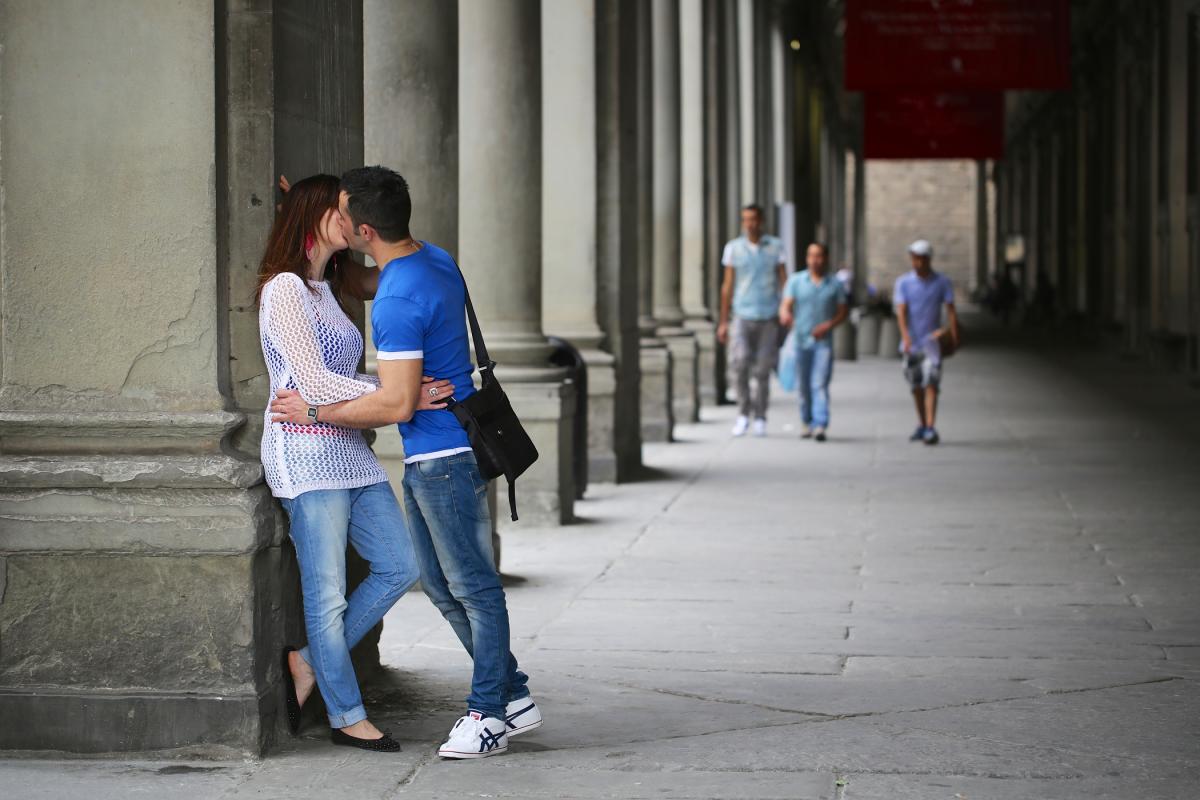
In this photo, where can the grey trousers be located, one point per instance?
(753, 351)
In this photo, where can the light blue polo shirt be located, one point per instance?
(756, 270)
(923, 300)
(420, 312)
(813, 304)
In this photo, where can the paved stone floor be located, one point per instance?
(1013, 614)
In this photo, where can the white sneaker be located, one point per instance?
(741, 426)
(522, 716)
(475, 736)
(760, 427)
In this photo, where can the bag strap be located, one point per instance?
(485, 364)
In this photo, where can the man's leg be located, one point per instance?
(931, 404)
(822, 372)
(766, 353)
(379, 534)
(919, 401)
(320, 522)
(452, 497)
(740, 356)
(804, 373)
(433, 580)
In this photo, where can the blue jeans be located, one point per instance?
(451, 529)
(815, 371)
(322, 520)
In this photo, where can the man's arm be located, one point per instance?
(787, 311)
(726, 303)
(395, 401)
(839, 316)
(902, 321)
(781, 275)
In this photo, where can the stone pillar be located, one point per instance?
(617, 179)
(657, 412)
(696, 266)
(716, 191)
(500, 235)
(410, 56)
(747, 102)
(145, 591)
(981, 224)
(668, 310)
(570, 287)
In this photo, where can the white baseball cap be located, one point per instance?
(921, 248)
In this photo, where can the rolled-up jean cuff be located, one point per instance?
(356, 714)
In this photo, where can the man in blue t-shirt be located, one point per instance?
(918, 299)
(418, 322)
(815, 303)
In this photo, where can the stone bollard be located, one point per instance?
(889, 337)
(868, 335)
(844, 337)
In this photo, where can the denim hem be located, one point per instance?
(356, 714)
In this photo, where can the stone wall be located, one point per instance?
(909, 200)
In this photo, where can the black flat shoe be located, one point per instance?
(384, 745)
(290, 703)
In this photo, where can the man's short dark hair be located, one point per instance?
(756, 208)
(824, 248)
(378, 196)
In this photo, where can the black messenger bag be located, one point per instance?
(501, 445)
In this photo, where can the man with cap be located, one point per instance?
(918, 299)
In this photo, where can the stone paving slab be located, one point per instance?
(1013, 614)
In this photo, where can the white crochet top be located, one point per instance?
(311, 345)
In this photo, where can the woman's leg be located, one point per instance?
(379, 534)
(320, 524)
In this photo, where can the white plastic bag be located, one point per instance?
(786, 367)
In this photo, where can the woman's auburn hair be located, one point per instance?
(300, 215)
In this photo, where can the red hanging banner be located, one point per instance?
(957, 45)
(934, 125)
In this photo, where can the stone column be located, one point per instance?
(617, 179)
(696, 266)
(716, 190)
(410, 55)
(500, 234)
(668, 310)
(570, 289)
(657, 411)
(146, 595)
(747, 102)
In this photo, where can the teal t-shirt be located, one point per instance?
(756, 270)
(814, 302)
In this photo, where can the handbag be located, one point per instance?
(501, 445)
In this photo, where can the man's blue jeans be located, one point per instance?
(446, 500)
(322, 520)
(815, 371)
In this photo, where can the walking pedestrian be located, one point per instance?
(814, 303)
(419, 319)
(918, 299)
(755, 271)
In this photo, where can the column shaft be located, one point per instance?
(569, 213)
(500, 233)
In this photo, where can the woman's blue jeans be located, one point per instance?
(322, 521)
(446, 500)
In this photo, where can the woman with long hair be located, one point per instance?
(330, 483)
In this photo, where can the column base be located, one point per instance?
(845, 341)
(658, 416)
(867, 343)
(685, 378)
(145, 600)
(706, 363)
(546, 493)
(601, 391)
